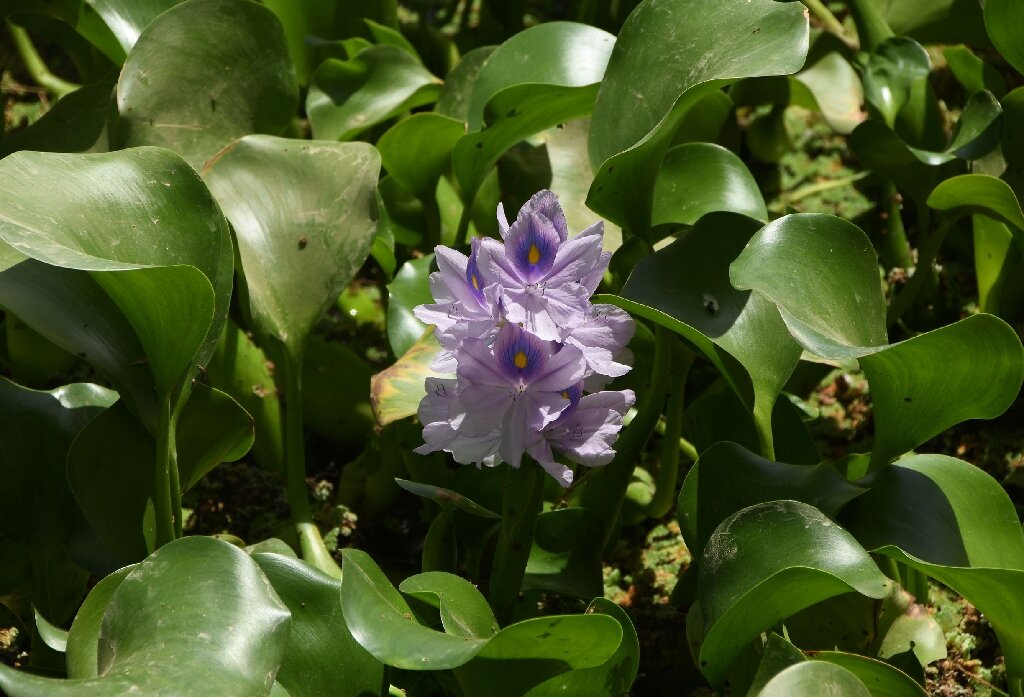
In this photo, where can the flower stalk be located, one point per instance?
(521, 503)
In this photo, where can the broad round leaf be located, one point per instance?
(782, 262)
(396, 391)
(410, 287)
(458, 84)
(196, 618)
(76, 123)
(212, 428)
(685, 287)
(383, 623)
(972, 72)
(891, 71)
(204, 73)
(322, 657)
(464, 611)
(700, 178)
(304, 216)
(347, 97)
(767, 562)
(1004, 20)
(954, 523)
(565, 557)
(979, 193)
(814, 677)
(156, 244)
(836, 89)
(416, 151)
(83, 637)
(880, 678)
(127, 18)
(648, 90)
(553, 53)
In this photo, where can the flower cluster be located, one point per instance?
(529, 351)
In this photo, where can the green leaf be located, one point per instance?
(700, 178)
(331, 369)
(566, 554)
(612, 678)
(814, 677)
(82, 655)
(727, 478)
(157, 250)
(915, 172)
(128, 18)
(347, 97)
(890, 73)
(196, 618)
(972, 369)
(880, 678)
(916, 632)
(960, 528)
(411, 287)
(212, 428)
(76, 123)
(396, 391)
(994, 260)
(778, 655)
(383, 623)
(1004, 20)
(238, 79)
(553, 53)
(303, 214)
(416, 151)
(685, 287)
(973, 73)
(464, 611)
(526, 654)
(978, 193)
(322, 657)
(781, 263)
(446, 498)
(301, 19)
(647, 91)
(767, 562)
(836, 89)
(239, 368)
(458, 85)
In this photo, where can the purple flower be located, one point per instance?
(516, 386)
(546, 277)
(439, 435)
(585, 432)
(602, 337)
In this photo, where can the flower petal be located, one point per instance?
(479, 409)
(561, 370)
(532, 246)
(546, 203)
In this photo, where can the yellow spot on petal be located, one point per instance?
(476, 281)
(565, 394)
(533, 256)
(520, 360)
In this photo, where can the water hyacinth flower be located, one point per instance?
(525, 344)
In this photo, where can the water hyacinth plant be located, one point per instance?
(511, 348)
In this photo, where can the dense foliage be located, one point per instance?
(206, 205)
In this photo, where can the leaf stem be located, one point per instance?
(520, 505)
(606, 489)
(828, 20)
(34, 64)
(922, 272)
(668, 470)
(820, 187)
(895, 247)
(872, 28)
(311, 544)
(167, 514)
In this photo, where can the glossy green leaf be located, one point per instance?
(416, 151)
(410, 288)
(972, 72)
(979, 128)
(782, 263)
(727, 478)
(836, 89)
(700, 178)
(239, 368)
(109, 470)
(981, 194)
(304, 217)
(458, 84)
(526, 654)
(994, 259)
(565, 557)
(322, 657)
(464, 611)
(82, 655)
(301, 19)
(914, 172)
(553, 53)
(778, 655)
(76, 123)
(954, 523)
(972, 369)
(383, 623)
(347, 97)
(238, 80)
(612, 678)
(1004, 20)
(767, 562)
(396, 391)
(647, 92)
(891, 71)
(880, 678)
(157, 250)
(447, 497)
(685, 287)
(212, 428)
(52, 636)
(814, 677)
(196, 618)
(128, 18)
(916, 632)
